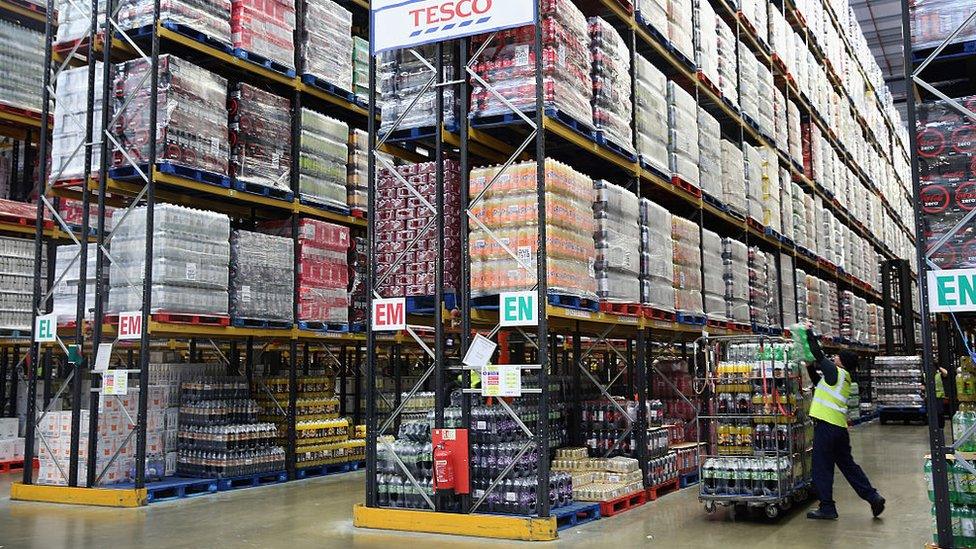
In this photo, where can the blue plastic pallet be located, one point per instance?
(952, 51)
(322, 84)
(758, 329)
(264, 190)
(584, 129)
(250, 481)
(145, 32)
(688, 479)
(574, 302)
(336, 327)
(424, 304)
(601, 139)
(171, 488)
(126, 173)
(653, 169)
(315, 203)
(422, 132)
(576, 514)
(327, 469)
(263, 61)
(258, 323)
(715, 202)
(776, 332)
(691, 318)
(774, 234)
(788, 242)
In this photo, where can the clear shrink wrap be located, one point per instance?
(802, 301)
(261, 276)
(190, 268)
(935, 20)
(509, 210)
(681, 27)
(734, 192)
(786, 204)
(67, 267)
(267, 28)
(74, 21)
(211, 17)
(657, 256)
(653, 13)
(759, 294)
(17, 283)
(613, 109)
(327, 43)
(68, 133)
(323, 160)
(260, 137)
(651, 95)
(713, 287)
(706, 42)
(617, 241)
(735, 256)
(683, 154)
(710, 154)
(401, 77)
(687, 266)
(788, 290)
(360, 68)
(794, 135)
(728, 62)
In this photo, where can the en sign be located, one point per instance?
(46, 328)
(389, 315)
(130, 325)
(518, 309)
(407, 23)
(952, 290)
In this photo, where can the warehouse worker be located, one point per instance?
(831, 440)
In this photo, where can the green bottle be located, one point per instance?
(801, 344)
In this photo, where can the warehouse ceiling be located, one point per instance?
(881, 23)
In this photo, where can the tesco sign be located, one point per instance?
(406, 23)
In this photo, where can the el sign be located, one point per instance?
(389, 315)
(952, 290)
(406, 23)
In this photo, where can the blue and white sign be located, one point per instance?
(406, 23)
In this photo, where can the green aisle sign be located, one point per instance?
(952, 290)
(518, 309)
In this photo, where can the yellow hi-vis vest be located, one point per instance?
(830, 401)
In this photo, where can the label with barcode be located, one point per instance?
(510, 496)
(191, 271)
(214, 146)
(246, 294)
(525, 253)
(522, 55)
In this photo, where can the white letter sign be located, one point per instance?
(389, 315)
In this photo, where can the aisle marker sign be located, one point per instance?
(407, 23)
(952, 290)
(389, 315)
(130, 325)
(46, 328)
(518, 309)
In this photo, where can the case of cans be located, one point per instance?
(265, 28)
(260, 136)
(657, 256)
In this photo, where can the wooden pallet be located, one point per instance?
(623, 503)
(663, 489)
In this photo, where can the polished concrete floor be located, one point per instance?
(317, 513)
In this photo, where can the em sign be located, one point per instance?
(406, 23)
(952, 290)
(389, 315)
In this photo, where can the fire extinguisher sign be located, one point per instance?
(407, 23)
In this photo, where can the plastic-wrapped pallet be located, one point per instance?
(261, 276)
(770, 189)
(508, 64)
(654, 13)
(687, 266)
(728, 62)
(748, 83)
(17, 282)
(781, 121)
(710, 154)
(780, 37)
(651, 94)
(785, 214)
(802, 303)
(757, 16)
(191, 119)
(934, 20)
(191, 257)
(267, 28)
(402, 216)
(766, 111)
(358, 297)
(681, 27)
(401, 77)
(322, 164)
(788, 290)
(734, 192)
(360, 68)
(569, 231)
(810, 221)
(657, 256)
(74, 21)
(772, 290)
(23, 61)
(683, 130)
(793, 127)
(327, 43)
(67, 267)
(617, 242)
(758, 288)
(211, 17)
(323, 270)
(613, 109)
(357, 181)
(260, 136)
(735, 256)
(833, 302)
(713, 286)
(846, 313)
(754, 180)
(706, 42)
(68, 135)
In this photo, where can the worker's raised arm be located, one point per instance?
(826, 367)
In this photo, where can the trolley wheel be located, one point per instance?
(772, 511)
(709, 507)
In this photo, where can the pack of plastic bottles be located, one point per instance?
(611, 74)
(323, 160)
(651, 96)
(261, 276)
(327, 43)
(22, 57)
(211, 17)
(68, 134)
(617, 240)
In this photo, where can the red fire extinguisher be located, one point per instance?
(443, 468)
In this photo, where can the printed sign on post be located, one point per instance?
(952, 290)
(103, 357)
(115, 382)
(130, 325)
(480, 351)
(501, 380)
(389, 315)
(518, 309)
(407, 23)
(46, 328)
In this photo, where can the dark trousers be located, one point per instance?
(832, 446)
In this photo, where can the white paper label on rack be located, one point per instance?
(275, 160)
(480, 351)
(389, 315)
(130, 325)
(191, 271)
(115, 382)
(407, 23)
(518, 309)
(245, 293)
(521, 55)
(103, 357)
(46, 328)
(215, 146)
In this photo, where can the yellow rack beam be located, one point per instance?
(103, 497)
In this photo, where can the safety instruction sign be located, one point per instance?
(115, 382)
(501, 380)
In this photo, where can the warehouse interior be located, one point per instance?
(574, 270)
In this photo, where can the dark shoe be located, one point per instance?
(820, 514)
(878, 506)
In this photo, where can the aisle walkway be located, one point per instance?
(316, 513)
